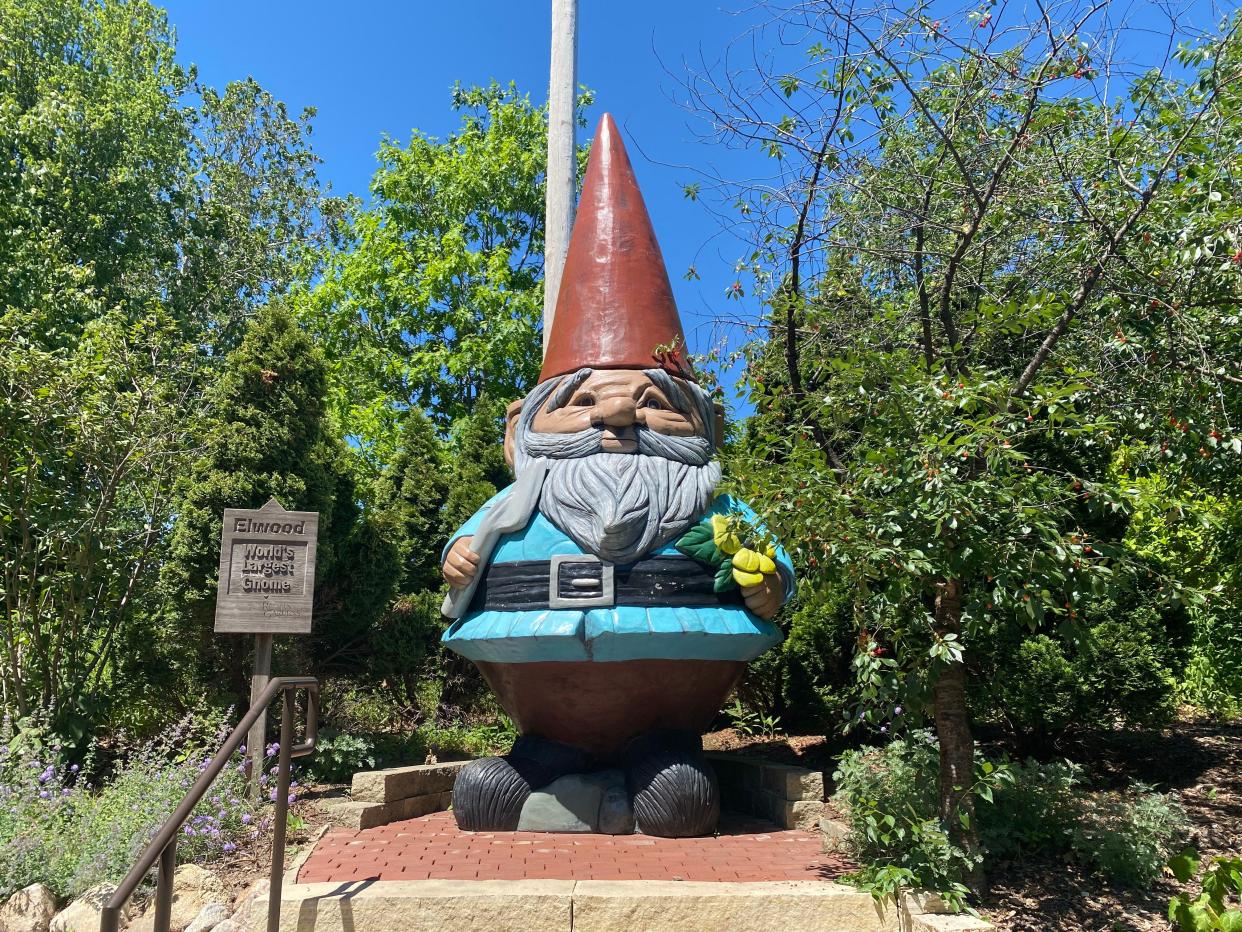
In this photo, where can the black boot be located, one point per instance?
(672, 785)
(489, 793)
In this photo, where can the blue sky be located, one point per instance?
(384, 67)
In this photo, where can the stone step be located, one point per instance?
(386, 786)
(360, 814)
(591, 906)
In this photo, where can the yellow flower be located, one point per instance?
(742, 578)
(724, 535)
(749, 566)
(752, 561)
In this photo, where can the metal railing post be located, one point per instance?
(285, 756)
(164, 886)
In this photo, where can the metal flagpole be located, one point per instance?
(559, 199)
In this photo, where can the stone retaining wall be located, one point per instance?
(792, 797)
(382, 796)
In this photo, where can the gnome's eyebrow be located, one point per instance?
(674, 392)
(567, 387)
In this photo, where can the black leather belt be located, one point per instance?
(584, 582)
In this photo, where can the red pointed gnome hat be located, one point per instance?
(615, 309)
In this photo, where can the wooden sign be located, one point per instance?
(267, 570)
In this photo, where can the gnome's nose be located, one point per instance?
(614, 412)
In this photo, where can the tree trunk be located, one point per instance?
(956, 741)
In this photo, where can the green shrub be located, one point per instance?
(1038, 694)
(338, 757)
(1115, 673)
(888, 796)
(1219, 903)
(1122, 676)
(1128, 836)
(1035, 811)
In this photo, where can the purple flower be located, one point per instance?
(74, 768)
(229, 847)
(293, 798)
(897, 711)
(187, 830)
(246, 817)
(44, 794)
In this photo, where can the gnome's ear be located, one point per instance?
(718, 412)
(511, 417)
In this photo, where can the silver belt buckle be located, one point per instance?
(564, 585)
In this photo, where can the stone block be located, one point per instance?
(793, 783)
(415, 806)
(209, 918)
(425, 906)
(193, 889)
(82, 915)
(742, 772)
(791, 906)
(386, 786)
(359, 815)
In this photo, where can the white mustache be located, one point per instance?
(693, 451)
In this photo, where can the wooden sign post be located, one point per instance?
(267, 587)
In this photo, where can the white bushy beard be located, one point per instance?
(619, 506)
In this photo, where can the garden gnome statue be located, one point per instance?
(609, 596)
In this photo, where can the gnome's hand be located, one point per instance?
(461, 564)
(765, 599)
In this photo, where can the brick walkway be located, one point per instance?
(432, 848)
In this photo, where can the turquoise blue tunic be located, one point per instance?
(623, 632)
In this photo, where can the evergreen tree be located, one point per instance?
(266, 436)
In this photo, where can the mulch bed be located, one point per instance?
(1199, 762)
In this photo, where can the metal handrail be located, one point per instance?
(163, 846)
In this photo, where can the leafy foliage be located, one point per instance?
(435, 295)
(993, 289)
(1219, 904)
(889, 798)
(143, 219)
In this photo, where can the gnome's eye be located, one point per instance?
(654, 403)
(584, 401)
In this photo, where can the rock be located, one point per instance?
(250, 908)
(616, 814)
(836, 834)
(193, 888)
(570, 803)
(229, 925)
(82, 915)
(28, 910)
(208, 918)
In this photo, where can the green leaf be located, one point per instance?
(724, 578)
(1185, 865)
(697, 543)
